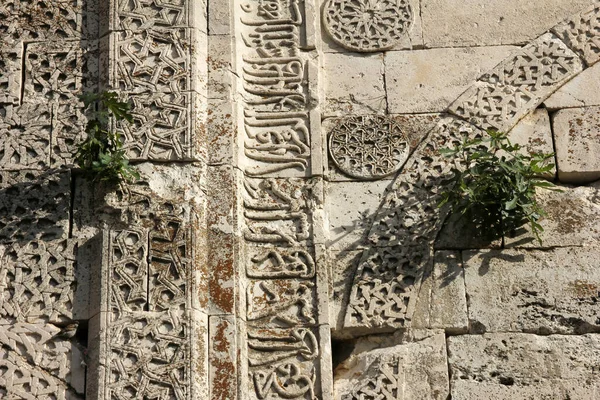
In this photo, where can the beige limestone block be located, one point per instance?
(350, 208)
(545, 292)
(442, 303)
(577, 136)
(458, 233)
(520, 366)
(386, 367)
(461, 23)
(573, 219)
(341, 265)
(581, 91)
(424, 81)
(353, 84)
(219, 17)
(580, 32)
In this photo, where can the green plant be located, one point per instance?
(101, 156)
(494, 184)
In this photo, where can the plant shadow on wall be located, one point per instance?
(488, 194)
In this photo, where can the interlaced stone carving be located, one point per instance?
(37, 282)
(281, 363)
(504, 95)
(34, 363)
(386, 381)
(54, 72)
(10, 74)
(26, 134)
(388, 277)
(68, 130)
(367, 25)
(38, 20)
(147, 14)
(34, 205)
(368, 147)
(581, 34)
(153, 61)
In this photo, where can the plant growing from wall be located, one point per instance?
(101, 156)
(494, 184)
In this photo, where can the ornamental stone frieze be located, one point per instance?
(285, 239)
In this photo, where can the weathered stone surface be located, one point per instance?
(552, 291)
(424, 81)
(507, 366)
(577, 136)
(573, 219)
(11, 74)
(491, 23)
(581, 91)
(501, 97)
(350, 208)
(442, 303)
(580, 32)
(412, 39)
(342, 266)
(395, 367)
(219, 18)
(223, 359)
(458, 234)
(354, 84)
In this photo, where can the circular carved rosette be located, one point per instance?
(369, 146)
(367, 25)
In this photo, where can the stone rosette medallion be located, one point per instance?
(367, 25)
(368, 146)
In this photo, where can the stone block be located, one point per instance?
(577, 137)
(350, 208)
(223, 359)
(68, 130)
(411, 367)
(442, 302)
(573, 219)
(342, 265)
(458, 234)
(222, 132)
(504, 95)
(423, 81)
(457, 23)
(581, 91)
(219, 18)
(543, 292)
(354, 84)
(507, 366)
(221, 77)
(407, 37)
(580, 33)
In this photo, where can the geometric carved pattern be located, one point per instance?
(504, 95)
(368, 146)
(145, 14)
(366, 25)
(26, 146)
(385, 381)
(581, 34)
(37, 282)
(10, 74)
(387, 280)
(34, 205)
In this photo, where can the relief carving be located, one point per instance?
(280, 263)
(580, 33)
(367, 25)
(282, 363)
(368, 147)
(287, 302)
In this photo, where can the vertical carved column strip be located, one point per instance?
(150, 323)
(283, 301)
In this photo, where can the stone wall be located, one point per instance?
(284, 239)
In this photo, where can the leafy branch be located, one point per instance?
(494, 184)
(101, 156)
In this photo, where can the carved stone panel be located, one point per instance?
(10, 73)
(283, 363)
(365, 25)
(37, 281)
(580, 33)
(368, 147)
(501, 97)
